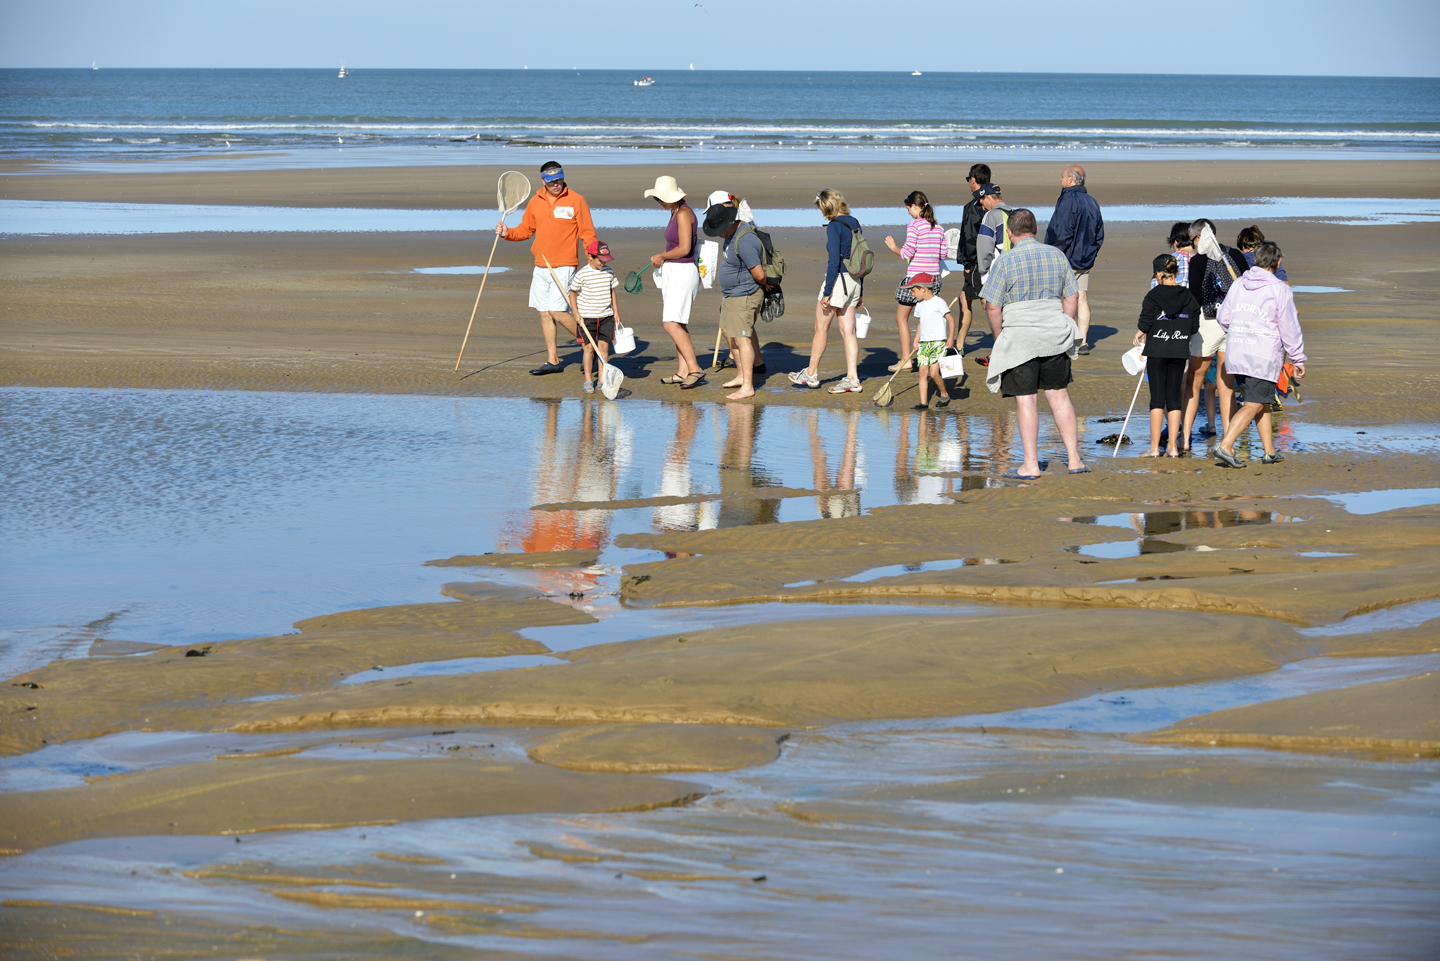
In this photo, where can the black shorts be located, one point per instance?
(1253, 390)
(601, 328)
(1042, 373)
(972, 284)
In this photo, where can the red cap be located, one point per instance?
(598, 248)
(922, 280)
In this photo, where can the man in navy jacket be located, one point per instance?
(1078, 230)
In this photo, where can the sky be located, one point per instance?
(1283, 37)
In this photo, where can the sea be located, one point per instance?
(467, 116)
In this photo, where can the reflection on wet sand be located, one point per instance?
(740, 474)
(843, 496)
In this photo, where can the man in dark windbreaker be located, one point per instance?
(1077, 229)
(967, 255)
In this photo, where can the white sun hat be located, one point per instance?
(666, 190)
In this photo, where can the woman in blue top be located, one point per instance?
(839, 296)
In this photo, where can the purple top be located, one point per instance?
(672, 236)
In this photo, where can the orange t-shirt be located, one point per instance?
(557, 224)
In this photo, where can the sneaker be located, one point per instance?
(1227, 459)
(983, 361)
(803, 378)
(846, 386)
(1084, 348)
(758, 368)
(1272, 458)
(943, 400)
(547, 368)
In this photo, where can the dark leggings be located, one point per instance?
(1167, 382)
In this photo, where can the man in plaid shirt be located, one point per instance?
(1030, 299)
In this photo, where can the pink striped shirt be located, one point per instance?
(924, 248)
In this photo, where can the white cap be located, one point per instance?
(717, 197)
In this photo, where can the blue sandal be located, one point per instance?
(589, 387)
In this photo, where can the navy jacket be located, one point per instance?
(1076, 227)
(837, 248)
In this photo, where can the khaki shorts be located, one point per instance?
(738, 314)
(845, 293)
(1210, 339)
(1082, 279)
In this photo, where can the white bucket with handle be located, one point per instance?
(1134, 360)
(952, 364)
(624, 340)
(862, 322)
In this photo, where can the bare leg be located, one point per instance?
(1157, 419)
(737, 380)
(821, 338)
(746, 364)
(1082, 317)
(940, 390)
(1267, 436)
(1064, 413)
(965, 318)
(548, 320)
(1238, 422)
(1194, 383)
(852, 345)
(1226, 384)
(924, 383)
(1027, 410)
(902, 322)
(684, 349)
(586, 364)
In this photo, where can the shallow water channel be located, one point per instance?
(179, 517)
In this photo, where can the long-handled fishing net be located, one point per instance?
(512, 191)
(610, 376)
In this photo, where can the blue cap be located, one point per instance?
(550, 176)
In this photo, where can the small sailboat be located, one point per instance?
(93, 65)
(343, 72)
(916, 73)
(645, 82)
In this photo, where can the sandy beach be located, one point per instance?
(654, 724)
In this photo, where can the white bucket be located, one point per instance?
(1134, 360)
(624, 340)
(952, 364)
(862, 322)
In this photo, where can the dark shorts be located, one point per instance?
(1042, 373)
(601, 328)
(1253, 390)
(972, 285)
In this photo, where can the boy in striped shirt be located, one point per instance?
(593, 301)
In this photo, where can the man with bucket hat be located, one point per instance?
(742, 287)
(559, 220)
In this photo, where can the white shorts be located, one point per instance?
(679, 284)
(1209, 340)
(544, 295)
(845, 294)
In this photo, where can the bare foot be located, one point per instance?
(734, 383)
(1151, 453)
(741, 394)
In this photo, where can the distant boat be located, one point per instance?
(692, 66)
(916, 73)
(645, 82)
(93, 67)
(343, 72)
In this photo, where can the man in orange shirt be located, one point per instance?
(559, 220)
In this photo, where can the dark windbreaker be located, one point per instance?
(1076, 227)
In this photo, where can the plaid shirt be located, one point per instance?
(1030, 271)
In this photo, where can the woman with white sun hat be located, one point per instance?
(678, 278)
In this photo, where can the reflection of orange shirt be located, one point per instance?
(560, 531)
(557, 224)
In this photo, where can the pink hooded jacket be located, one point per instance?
(1261, 326)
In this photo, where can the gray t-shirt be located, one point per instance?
(736, 259)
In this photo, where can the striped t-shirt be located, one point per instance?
(924, 247)
(592, 291)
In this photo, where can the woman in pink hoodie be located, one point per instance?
(1261, 327)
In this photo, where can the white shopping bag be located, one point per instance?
(709, 260)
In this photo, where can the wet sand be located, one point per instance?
(598, 730)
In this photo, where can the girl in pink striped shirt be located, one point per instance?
(924, 248)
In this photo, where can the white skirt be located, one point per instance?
(679, 284)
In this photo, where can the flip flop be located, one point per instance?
(692, 381)
(673, 379)
(1016, 475)
(1079, 470)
